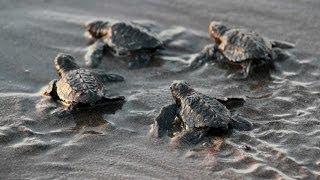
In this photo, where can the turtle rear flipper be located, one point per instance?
(165, 121)
(107, 78)
(169, 35)
(281, 44)
(108, 104)
(111, 100)
(146, 25)
(240, 123)
(112, 103)
(279, 54)
(95, 54)
(232, 103)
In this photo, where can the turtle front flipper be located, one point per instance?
(245, 71)
(51, 90)
(232, 102)
(107, 78)
(281, 44)
(240, 123)
(189, 137)
(198, 61)
(164, 122)
(209, 52)
(139, 60)
(95, 54)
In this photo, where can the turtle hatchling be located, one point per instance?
(193, 116)
(79, 87)
(126, 39)
(241, 47)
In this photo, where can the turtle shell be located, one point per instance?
(124, 37)
(240, 45)
(79, 86)
(201, 111)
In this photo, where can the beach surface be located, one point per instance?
(284, 109)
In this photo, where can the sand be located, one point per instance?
(35, 143)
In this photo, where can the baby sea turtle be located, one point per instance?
(79, 87)
(122, 39)
(197, 115)
(239, 47)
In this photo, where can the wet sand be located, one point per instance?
(36, 143)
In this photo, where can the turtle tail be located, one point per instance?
(240, 123)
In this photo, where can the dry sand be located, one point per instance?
(34, 143)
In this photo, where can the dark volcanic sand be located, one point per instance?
(35, 143)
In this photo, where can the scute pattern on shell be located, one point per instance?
(79, 86)
(200, 111)
(240, 44)
(128, 37)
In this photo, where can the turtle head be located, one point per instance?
(97, 29)
(65, 63)
(180, 89)
(217, 29)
